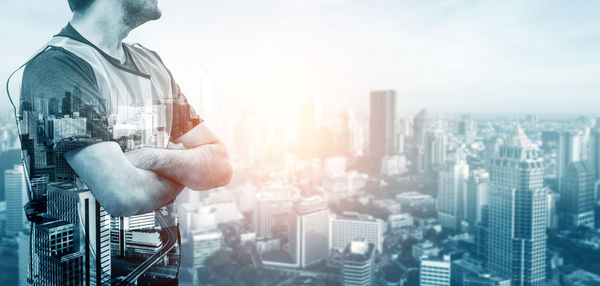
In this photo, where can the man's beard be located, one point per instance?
(138, 12)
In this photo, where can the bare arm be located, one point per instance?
(120, 187)
(197, 160)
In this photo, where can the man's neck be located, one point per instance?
(105, 30)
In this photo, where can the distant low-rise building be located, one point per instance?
(426, 248)
(435, 272)
(351, 225)
(400, 220)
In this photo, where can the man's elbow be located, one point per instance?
(121, 207)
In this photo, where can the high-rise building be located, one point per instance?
(16, 196)
(204, 244)
(261, 219)
(594, 149)
(481, 235)
(309, 231)
(467, 128)
(358, 263)
(79, 207)
(451, 191)
(568, 151)
(382, 126)
(419, 124)
(435, 272)
(492, 147)
(477, 186)
(517, 201)
(56, 262)
(435, 149)
(577, 197)
(345, 228)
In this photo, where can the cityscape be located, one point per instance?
(342, 198)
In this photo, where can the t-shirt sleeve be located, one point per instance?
(60, 100)
(184, 116)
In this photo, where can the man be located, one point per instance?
(113, 112)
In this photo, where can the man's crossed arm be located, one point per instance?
(141, 181)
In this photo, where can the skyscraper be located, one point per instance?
(577, 197)
(57, 261)
(419, 123)
(517, 201)
(594, 151)
(261, 218)
(16, 196)
(309, 231)
(451, 191)
(435, 149)
(358, 263)
(477, 186)
(382, 126)
(569, 151)
(79, 207)
(467, 128)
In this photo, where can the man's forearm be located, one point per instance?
(120, 187)
(200, 168)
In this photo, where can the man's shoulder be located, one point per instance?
(139, 48)
(56, 59)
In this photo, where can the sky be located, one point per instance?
(271, 55)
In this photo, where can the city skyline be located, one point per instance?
(385, 143)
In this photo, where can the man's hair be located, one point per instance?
(79, 5)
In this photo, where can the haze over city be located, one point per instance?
(449, 56)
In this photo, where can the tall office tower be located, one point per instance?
(492, 147)
(403, 133)
(419, 124)
(477, 188)
(517, 201)
(261, 218)
(451, 191)
(310, 124)
(594, 149)
(352, 137)
(569, 151)
(577, 197)
(552, 209)
(345, 228)
(435, 149)
(435, 272)
(382, 126)
(204, 244)
(309, 231)
(467, 128)
(16, 196)
(358, 263)
(586, 138)
(92, 224)
(56, 262)
(481, 235)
